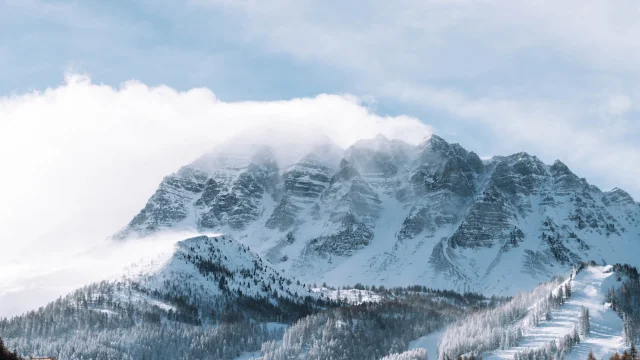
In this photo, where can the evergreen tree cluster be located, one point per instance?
(92, 324)
(553, 350)
(502, 327)
(584, 323)
(127, 320)
(369, 330)
(625, 300)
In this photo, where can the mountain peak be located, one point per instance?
(560, 165)
(433, 139)
(618, 196)
(381, 137)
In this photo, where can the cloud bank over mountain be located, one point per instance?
(81, 158)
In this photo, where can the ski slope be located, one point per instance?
(589, 289)
(428, 342)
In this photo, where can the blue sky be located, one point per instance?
(554, 79)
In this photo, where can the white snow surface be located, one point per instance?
(589, 289)
(428, 342)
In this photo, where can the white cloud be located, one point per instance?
(81, 159)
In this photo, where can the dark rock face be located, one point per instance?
(621, 200)
(284, 215)
(211, 190)
(446, 167)
(564, 181)
(353, 235)
(618, 197)
(486, 223)
(443, 180)
(431, 212)
(302, 185)
(519, 174)
(418, 220)
(240, 206)
(350, 193)
(307, 179)
(169, 204)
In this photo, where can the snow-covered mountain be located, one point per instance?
(387, 212)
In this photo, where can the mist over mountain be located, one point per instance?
(383, 211)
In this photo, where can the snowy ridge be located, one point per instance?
(218, 266)
(203, 274)
(386, 212)
(558, 330)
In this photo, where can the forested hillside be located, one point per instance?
(209, 294)
(212, 298)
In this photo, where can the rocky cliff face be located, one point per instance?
(384, 211)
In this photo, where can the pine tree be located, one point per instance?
(567, 289)
(584, 322)
(5, 354)
(633, 352)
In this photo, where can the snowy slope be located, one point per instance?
(429, 343)
(206, 275)
(589, 290)
(215, 266)
(386, 212)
